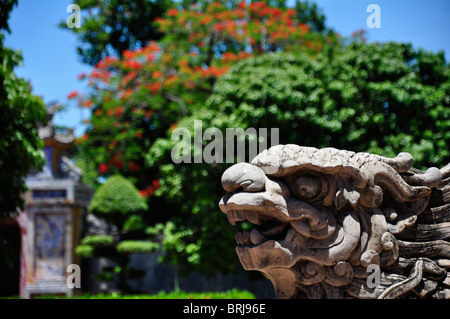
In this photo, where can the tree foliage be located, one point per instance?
(109, 28)
(228, 66)
(5, 9)
(137, 98)
(20, 145)
(380, 98)
(312, 15)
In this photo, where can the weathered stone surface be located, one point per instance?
(332, 223)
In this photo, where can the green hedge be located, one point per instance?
(137, 246)
(85, 251)
(98, 240)
(229, 294)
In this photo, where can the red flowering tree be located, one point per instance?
(137, 98)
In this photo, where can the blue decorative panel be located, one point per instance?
(51, 193)
(49, 245)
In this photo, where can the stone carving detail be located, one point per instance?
(328, 223)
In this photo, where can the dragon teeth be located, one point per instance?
(235, 216)
(256, 237)
(243, 237)
(230, 218)
(252, 217)
(240, 215)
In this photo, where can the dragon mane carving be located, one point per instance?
(326, 222)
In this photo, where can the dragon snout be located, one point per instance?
(245, 177)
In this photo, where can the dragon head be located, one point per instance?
(317, 219)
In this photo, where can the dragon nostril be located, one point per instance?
(239, 189)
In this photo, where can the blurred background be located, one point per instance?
(343, 74)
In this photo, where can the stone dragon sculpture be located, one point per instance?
(331, 223)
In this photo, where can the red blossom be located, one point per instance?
(150, 57)
(125, 94)
(118, 111)
(303, 27)
(189, 84)
(103, 169)
(173, 126)
(206, 20)
(143, 193)
(100, 75)
(105, 63)
(170, 81)
(157, 74)
(134, 65)
(130, 76)
(290, 12)
(219, 26)
(152, 46)
(153, 87)
(170, 68)
(172, 12)
(276, 12)
(156, 184)
(148, 113)
(133, 166)
(151, 189)
(88, 103)
(118, 164)
(72, 95)
(128, 54)
(183, 63)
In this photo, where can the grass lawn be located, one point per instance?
(229, 294)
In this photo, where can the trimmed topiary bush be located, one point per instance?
(117, 196)
(98, 240)
(137, 246)
(118, 201)
(85, 251)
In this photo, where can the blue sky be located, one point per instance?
(52, 65)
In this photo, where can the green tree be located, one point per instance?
(6, 7)
(380, 98)
(136, 98)
(118, 202)
(312, 15)
(109, 28)
(20, 145)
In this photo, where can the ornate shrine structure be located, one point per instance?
(50, 223)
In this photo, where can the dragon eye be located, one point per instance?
(307, 186)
